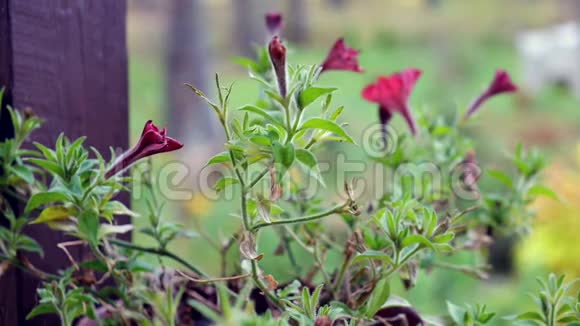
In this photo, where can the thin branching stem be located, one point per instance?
(299, 220)
(259, 177)
(159, 252)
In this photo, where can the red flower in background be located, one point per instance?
(274, 22)
(501, 83)
(341, 57)
(392, 94)
(153, 141)
(277, 53)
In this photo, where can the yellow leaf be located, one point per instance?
(54, 214)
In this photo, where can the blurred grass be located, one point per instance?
(454, 72)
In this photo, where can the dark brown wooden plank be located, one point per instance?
(67, 60)
(9, 294)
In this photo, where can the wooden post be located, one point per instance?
(67, 61)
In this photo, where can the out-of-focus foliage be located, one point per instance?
(557, 224)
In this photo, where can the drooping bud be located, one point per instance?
(153, 141)
(277, 53)
(501, 83)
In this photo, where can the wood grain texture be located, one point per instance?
(67, 60)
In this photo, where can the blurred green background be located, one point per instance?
(457, 43)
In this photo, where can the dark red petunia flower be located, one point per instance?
(277, 53)
(274, 22)
(501, 83)
(392, 94)
(341, 57)
(153, 141)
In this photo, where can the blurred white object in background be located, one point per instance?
(551, 56)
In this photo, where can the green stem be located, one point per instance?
(288, 122)
(235, 165)
(261, 285)
(341, 275)
(157, 251)
(296, 122)
(244, 209)
(304, 219)
(257, 179)
(245, 217)
(310, 143)
(320, 264)
(297, 239)
(246, 222)
(63, 318)
(400, 264)
(286, 243)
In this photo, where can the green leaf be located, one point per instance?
(204, 310)
(107, 229)
(88, 222)
(501, 177)
(392, 223)
(23, 172)
(54, 214)
(569, 319)
(246, 62)
(47, 152)
(444, 238)
(276, 97)
(283, 154)
(74, 146)
(318, 123)
(261, 140)
(336, 113)
(41, 309)
(224, 182)
(306, 157)
(373, 254)
(430, 221)
(116, 207)
(530, 315)
(219, 158)
(456, 312)
(49, 166)
(223, 296)
(26, 243)
(199, 93)
(378, 297)
(42, 198)
(540, 190)
(315, 297)
(310, 95)
(417, 239)
(310, 163)
(95, 264)
(262, 113)
(306, 302)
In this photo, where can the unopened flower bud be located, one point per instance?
(277, 53)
